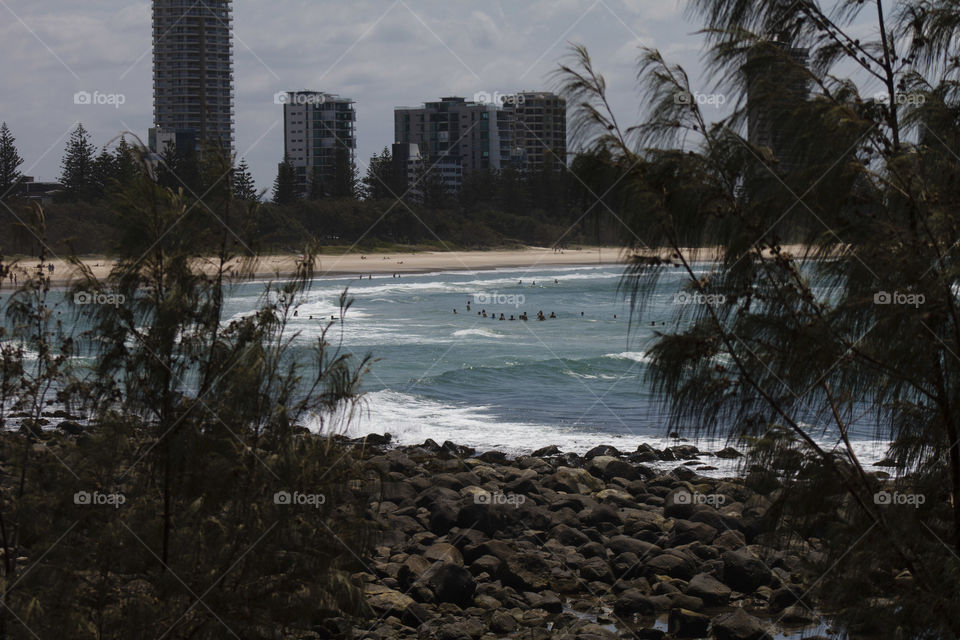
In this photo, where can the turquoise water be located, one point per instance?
(575, 380)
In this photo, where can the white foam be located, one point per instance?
(411, 419)
(483, 333)
(636, 356)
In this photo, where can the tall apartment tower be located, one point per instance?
(192, 75)
(455, 137)
(776, 84)
(539, 129)
(319, 137)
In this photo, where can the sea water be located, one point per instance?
(576, 380)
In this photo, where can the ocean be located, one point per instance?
(576, 380)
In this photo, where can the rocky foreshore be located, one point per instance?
(585, 547)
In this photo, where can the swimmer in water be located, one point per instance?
(553, 315)
(511, 317)
(501, 317)
(454, 311)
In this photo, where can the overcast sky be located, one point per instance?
(381, 53)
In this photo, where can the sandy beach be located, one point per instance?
(357, 263)
(381, 263)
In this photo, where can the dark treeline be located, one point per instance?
(551, 207)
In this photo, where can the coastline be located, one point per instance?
(378, 264)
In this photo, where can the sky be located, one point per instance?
(381, 53)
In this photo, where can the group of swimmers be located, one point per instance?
(522, 316)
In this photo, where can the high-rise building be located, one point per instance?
(192, 75)
(539, 129)
(320, 138)
(777, 82)
(455, 137)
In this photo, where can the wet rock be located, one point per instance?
(551, 450)
(670, 564)
(70, 428)
(739, 625)
(728, 453)
(602, 450)
(495, 457)
(684, 623)
(596, 569)
(633, 601)
(713, 592)
(743, 571)
(609, 467)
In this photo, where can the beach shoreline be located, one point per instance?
(371, 264)
(380, 264)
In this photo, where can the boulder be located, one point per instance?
(602, 450)
(486, 564)
(452, 583)
(670, 564)
(633, 601)
(728, 453)
(713, 592)
(609, 467)
(570, 480)
(413, 570)
(739, 625)
(625, 544)
(551, 450)
(443, 552)
(684, 623)
(569, 536)
(386, 601)
(526, 572)
(596, 569)
(502, 622)
(743, 571)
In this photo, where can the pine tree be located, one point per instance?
(77, 168)
(104, 173)
(378, 184)
(285, 185)
(244, 187)
(317, 190)
(126, 163)
(345, 175)
(10, 161)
